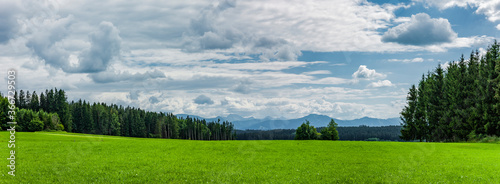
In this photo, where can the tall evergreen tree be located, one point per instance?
(22, 100)
(35, 102)
(330, 132)
(410, 127)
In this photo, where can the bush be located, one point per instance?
(35, 125)
(60, 127)
(483, 138)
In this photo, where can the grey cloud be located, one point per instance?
(267, 42)
(208, 32)
(243, 87)
(196, 83)
(421, 30)
(8, 24)
(202, 99)
(107, 77)
(204, 34)
(134, 95)
(44, 41)
(153, 100)
(211, 40)
(105, 45)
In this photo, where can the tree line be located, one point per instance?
(51, 111)
(458, 103)
(355, 133)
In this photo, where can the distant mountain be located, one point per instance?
(316, 120)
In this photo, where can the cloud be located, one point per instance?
(421, 30)
(489, 8)
(153, 100)
(107, 77)
(46, 38)
(318, 72)
(369, 74)
(414, 60)
(105, 45)
(211, 30)
(381, 83)
(244, 87)
(49, 43)
(205, 34)
(202, 99)
(8, 22)
(133, 95)
(273, 65)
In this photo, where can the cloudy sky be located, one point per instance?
(282, 58)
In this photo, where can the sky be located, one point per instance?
(346, 59)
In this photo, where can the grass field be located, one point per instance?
(57, 157)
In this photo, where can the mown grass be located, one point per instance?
(55, 157)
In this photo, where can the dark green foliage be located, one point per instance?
(306, 132)
(4, 109)
(22, 100)
(29, 120)
(276, 134)
(34, 125)
(409, 130)
(330, 132)
(453, 104)
(35, 102)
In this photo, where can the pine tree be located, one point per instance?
(35, 103)
(22, 100)
(28, 100)
(421, 117)
(490, 114)
(409, 130)
(43, 103)
(330, 132)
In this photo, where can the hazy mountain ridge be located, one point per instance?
(316, 120)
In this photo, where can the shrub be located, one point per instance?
(35, 125)
(60, 127)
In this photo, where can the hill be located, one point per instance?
(316, 120)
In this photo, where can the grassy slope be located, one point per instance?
(79, 158)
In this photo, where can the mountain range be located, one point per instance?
(242, 123)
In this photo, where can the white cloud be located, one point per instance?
(116, 76)
(414, 60)
(381, 83)
(369, 74)
(421, 30)
(489, 8)
(274, 65)
(318, 72)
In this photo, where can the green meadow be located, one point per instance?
(58, 157)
